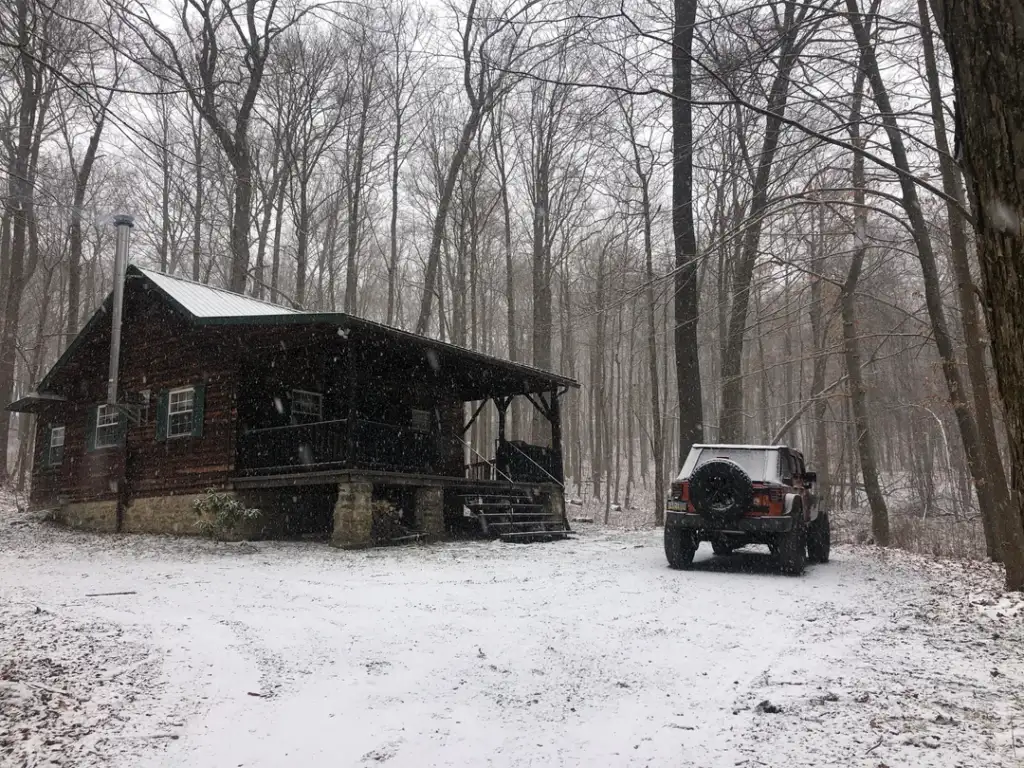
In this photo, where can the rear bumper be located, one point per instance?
(765, 524)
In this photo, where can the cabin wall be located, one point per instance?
(160, 351)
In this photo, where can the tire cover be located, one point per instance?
(721, 490)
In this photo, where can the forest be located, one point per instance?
(730, 222)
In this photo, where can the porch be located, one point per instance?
(371, 420)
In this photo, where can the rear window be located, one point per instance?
(760, 464)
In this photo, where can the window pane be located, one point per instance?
(307, 406)
(180, 404)
(107, 418)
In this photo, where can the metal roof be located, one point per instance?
(209, 305)
(206, 305)
(204, 301)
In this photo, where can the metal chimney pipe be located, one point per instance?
(124, 223)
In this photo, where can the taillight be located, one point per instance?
(679, 491)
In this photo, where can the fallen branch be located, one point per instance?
(47, 688)
(109, 594)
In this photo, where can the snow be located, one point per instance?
(582, 652)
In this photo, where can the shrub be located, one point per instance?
(221, 514)
(386, 522)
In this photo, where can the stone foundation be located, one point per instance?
(353, 516)
(168, 515)
(89, 515)
(430, 511)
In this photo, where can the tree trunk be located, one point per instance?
(926, 256)
(687, 299)
(851, 344)
(731, 419)
(75, 234)
(20, 209)
(441, 217)
(991, 465)
(984, 42)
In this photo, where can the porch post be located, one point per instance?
(556, 435)
(350, 421)
(353, 516)
(430, 511)
(502, 403)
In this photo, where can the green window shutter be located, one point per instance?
(161, 415)
(46, 444)
(90, 428)
(198, 410)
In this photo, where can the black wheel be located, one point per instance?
(721, 490)
(680, 547)
(792, 545)
(819, 539)
(722, 548)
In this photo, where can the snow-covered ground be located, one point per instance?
(588, 652)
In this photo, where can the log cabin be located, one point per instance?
(310, 417)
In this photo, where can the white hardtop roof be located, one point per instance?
(744, 447)
(205, 301)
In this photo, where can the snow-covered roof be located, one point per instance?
(204, 301)
(207, 305)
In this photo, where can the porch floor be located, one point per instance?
(324, 477)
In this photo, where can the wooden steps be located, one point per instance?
(515, 518)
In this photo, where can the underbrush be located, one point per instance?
(938, 535)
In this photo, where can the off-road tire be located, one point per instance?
(721, 491)
(680, 547)
(819, 539)
(793, 544)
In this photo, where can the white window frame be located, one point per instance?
(307, 407)
(172, 412)
(108, 426)
(54, 431)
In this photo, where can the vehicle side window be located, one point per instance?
(787, 465)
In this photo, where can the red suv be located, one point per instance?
(734, 495)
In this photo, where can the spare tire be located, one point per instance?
(721, 490)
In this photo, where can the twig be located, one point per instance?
(108, 594)
(877, 744)
(47, 688)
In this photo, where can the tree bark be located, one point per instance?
(731, 419)
(687, 300)
(926, 257)
(851, 344)
(990, 468)
(985, 41)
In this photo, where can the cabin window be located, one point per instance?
(55, 450)
(420, 420)
(180, 411)
(307, 407)
(108, 426)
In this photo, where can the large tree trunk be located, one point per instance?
(20, 210)
(985, 41)
(82, 175)
(926, 257)
(990, 468)
(731, 420)
(851, 343)
(687, 299)
(441, 217)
